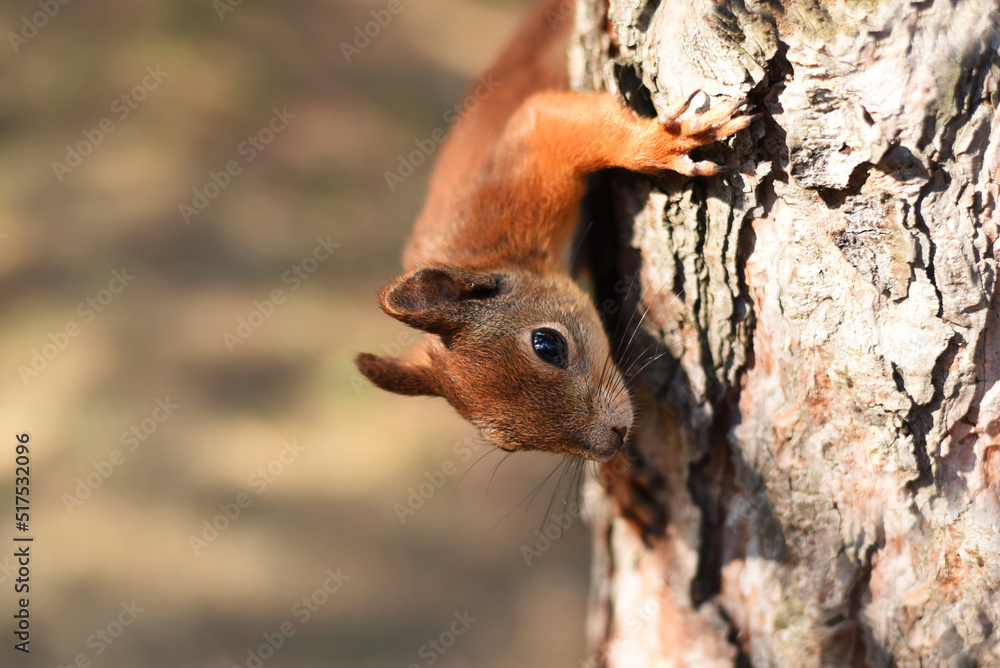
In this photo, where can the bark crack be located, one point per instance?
(938, 182)
(821, 408)
(919, 421)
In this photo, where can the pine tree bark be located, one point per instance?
(815, 479)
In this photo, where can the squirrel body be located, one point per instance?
(511, 341)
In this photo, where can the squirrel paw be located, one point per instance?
(682, 136)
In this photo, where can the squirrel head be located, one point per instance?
(523, 357)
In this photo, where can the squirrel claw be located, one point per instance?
(688, 167)
(708, 168)
(670, 118)
(710, 125)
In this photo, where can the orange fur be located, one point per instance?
(485, 277)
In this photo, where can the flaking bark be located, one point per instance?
(816, 477)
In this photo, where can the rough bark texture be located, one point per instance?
(816, 477)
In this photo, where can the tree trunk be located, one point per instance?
(815, 477)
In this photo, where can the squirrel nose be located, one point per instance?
(622, 432)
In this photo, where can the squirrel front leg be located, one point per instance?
(556, 138)
(588, 132)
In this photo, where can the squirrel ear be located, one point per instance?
(397, 375)
(434, 298)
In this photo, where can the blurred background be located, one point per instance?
(195, 220)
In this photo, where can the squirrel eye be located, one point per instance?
(550, 346)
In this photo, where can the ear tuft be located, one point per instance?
(395, 375)
(437, 299)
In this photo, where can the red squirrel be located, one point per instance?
(511, 341)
